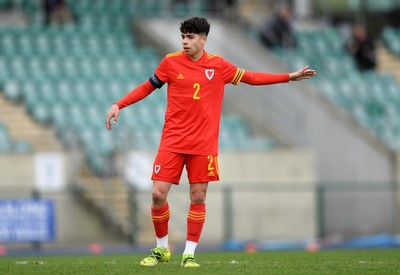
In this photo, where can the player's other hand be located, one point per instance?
(112, 114)
(304, 73)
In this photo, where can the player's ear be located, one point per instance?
(203, 39)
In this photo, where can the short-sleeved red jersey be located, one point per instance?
(195, 93)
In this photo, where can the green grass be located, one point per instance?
(379, 261)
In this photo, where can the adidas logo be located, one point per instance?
(180, 76)
(211, 174)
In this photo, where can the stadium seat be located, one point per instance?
(8, 145)
(21, 147)
(12, 90)
(391, 39)
(41, 113)
(5, 145)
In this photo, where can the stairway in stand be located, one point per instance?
(109, 197)
(388, 62)
(21, 126)
(254, 12)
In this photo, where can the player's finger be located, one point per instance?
(310, 72)
(108, 122)
(304, 69)
(116, 114)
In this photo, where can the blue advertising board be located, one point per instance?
(27, 220)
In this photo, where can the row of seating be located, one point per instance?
(55, 69)
(116, 8)
(138, 7)
(41, 45)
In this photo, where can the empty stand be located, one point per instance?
(371, 98)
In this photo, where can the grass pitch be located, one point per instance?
(378, 261)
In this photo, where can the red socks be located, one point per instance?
(160, 218)
(195, 222)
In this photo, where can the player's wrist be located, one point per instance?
(116, 106)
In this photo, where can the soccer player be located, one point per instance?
(196, 81)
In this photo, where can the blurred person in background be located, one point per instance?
(362, 47)
(196, 81)
(223, 7)
(57, 12)
(278, 31)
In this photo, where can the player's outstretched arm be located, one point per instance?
(132, 97)
(304, 73)
(113, 113)
(264, 78)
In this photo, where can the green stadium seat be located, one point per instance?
(5, 142)
(12, 90)
(6, 4)
(96, 161)
(41, 113)
(391, 38)
(21, 147)
(180, 10)
(262, 144)
(59, 117)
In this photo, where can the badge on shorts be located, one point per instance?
(209, 73)
(157, 168)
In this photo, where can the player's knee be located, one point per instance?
(159, 198)
(198, 197)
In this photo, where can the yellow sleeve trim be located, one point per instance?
(174, 54)
(210, 56)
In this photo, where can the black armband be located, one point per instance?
(155, 81)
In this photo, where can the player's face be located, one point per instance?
(193, 44)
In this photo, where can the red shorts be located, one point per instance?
(168, 167)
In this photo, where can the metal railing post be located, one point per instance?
(228, 213)
(320, 192)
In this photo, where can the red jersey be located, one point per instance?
(195, 93)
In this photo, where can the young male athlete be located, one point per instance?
(196, 81)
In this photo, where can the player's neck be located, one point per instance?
(197, 56)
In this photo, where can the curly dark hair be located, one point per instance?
(196, 25)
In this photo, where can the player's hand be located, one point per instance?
(304, 73)
(112, 113)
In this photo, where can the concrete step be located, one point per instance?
(109, 195)
(21, 126)
(388, 62)
(254, 12)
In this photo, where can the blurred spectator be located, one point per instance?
(362, 47)
(230, 9)
(278, 32)
(56, 12)
(225, 8)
